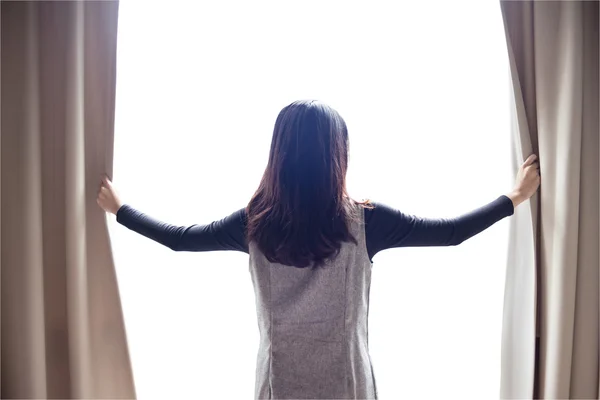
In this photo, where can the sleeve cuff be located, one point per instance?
(121, 212)
(507, 205)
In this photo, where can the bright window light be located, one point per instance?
(423, 87)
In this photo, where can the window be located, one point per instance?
(424, 90)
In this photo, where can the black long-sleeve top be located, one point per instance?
(385, 228)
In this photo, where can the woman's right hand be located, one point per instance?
(527, 182)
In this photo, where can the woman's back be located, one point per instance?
(314, 325)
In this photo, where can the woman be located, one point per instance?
(311, 248)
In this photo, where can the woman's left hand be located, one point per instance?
(108, 198)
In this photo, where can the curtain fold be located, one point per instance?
(63, 333)
(550, 332)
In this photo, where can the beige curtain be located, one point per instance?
(63, 334)
(550, 332)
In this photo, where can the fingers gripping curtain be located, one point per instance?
(550, 327)
(63, 334)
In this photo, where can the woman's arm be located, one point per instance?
(225, 234)
(387, 227)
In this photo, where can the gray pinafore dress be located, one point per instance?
(313, 326)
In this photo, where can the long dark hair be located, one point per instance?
(299, 215)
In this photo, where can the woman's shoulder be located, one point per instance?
(377, 212)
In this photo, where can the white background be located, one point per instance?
(423, 87)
